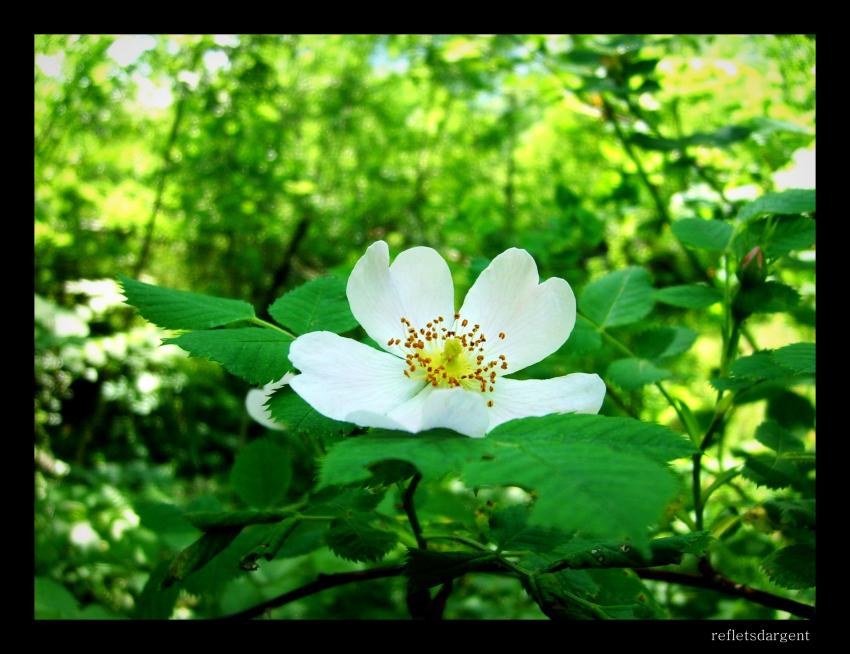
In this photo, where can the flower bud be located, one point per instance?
(752, 270)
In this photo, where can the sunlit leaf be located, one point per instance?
(255, 354)
(619, 298)
(173, 309)
(633, 373)
(662, 342)
(792, 201)
(703, 234)
(689, 296)
(318, 305)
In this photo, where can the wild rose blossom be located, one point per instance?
(439, 367)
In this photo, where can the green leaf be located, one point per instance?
(276, 536)
(173, 309)
(660, 144)
(343, 501)
(791, 567)
(794, 361)
(288, 409)
(790, 233)
(509, 529)
(582, 553)
(799, 358)
(261, 473)
(619, 298)
(97, 612)
(440, 452)
(769, 297)
(199, 553)
(641, 67)
(305, 538)
(760, 365)
(581, 486)
(771, 434)
(155, 601)
(791, 410)
(703, 234)
(426, 569)
(53, 601)
(633, 373)
(597, 473)
(770, 471)
(602, 594)
(730, 384)
(721, 137)
(354, 539)
(435, 454)
(792, 201)
(206, 520)
(584, 338)
(662, 342)
(214, 576)
(163, 518)
(622, 434)
(386, 473)
(689, 421)
(255, 354)
(793, 515)
(318, 305)
(689, 296)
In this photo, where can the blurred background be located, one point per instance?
(242, 166)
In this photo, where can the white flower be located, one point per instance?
(441, 368)
(256, 400)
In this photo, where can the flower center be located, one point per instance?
(450, 358)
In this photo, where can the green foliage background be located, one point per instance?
(242, 167)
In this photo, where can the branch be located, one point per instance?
(721, 584)
(407, 501)
(655, 194)
(321, 583)
(438, 604)
(660, 551)
(285, 268)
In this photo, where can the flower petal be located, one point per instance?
(424, 284)
(340, 376)
(456, 409)
(417, 286)
(256, 399)
(576, 393)
(535, 318)
(373, 297)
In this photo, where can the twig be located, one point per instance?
(410, 510)
(726, 586)
(620, 402)
(438, 604)
(321, 583)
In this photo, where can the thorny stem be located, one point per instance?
(410, 510)
(721, 584)
(321, 583)
(731, 334)
(709, 580)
